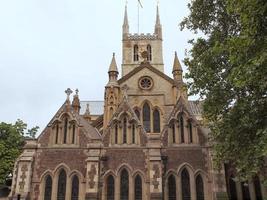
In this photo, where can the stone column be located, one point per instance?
(92, 175)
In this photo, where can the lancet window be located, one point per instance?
(200, 188)
(110, 188)
(171, 188)
(61, 188)
(133, 133)
(156, 121)
(181, 125)
(185, 185)
(48, 188)
(190, 128)
(124, 130)
(124, 185)
(65, 130)
(136, 56)
(146, 117)
(75, 188)
(149, 52)
(138, 188)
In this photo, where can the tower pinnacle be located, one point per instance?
(177, 70)
(158, 28)
(125, 26)
(113, 70)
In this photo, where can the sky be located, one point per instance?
(48, 46)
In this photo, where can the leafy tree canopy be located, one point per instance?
(12, 137)
(228, 68)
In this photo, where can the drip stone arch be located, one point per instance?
(204, 177)
(170, 173)
(43, 178)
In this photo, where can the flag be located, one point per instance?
(139, 1)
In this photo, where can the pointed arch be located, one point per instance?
(65, 130)
(75, 188)
(146, 117)
(190, 130)
(124, 185)
(185, 180)
(110, 187)
(116, 133)
(200, 187)
(61, 186)
(171, 187)
(124, 131)
(156, 121)
(149, 52)
(138, 187)
(135, 55)
(48, 188)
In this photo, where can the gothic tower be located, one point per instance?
(134, 44)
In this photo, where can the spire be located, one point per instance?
(125, 26)
(158, 28)
(87, 114)
(113, 70)
(76, 102)
(177, 70)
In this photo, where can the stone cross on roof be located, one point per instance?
(68, 92)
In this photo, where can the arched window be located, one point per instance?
(124, 185)
(171, 188)
(73, 133)
(200, 188)
(110, 188)
(75, 188)
(173, 133)
(116, 133)
(124, 139)
(61, 186)
(57, 131)
(136, 57)
(182, 128)
(138, 188)
(245, 191)
(110, 113)
(149, 52)
(156, 121)
(232, 188)
(137, 113)
(190, 131)
(185, 185)
(146, 117)
(133, 133)
(257, 186)
(48, 188)
(65, 130)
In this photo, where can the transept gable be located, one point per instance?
(148, 66)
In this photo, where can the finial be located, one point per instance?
(77, 91)
(113, 64)
(176, 63)
(87, 111)
(68, 91)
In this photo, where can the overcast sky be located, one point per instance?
(47, 46)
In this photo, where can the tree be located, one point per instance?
(228, 69)
(12, 137)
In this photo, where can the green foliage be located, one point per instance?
(12, 137)
(228, 67)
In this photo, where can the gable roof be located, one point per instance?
(151, 68)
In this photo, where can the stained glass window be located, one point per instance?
(190, 131)
(133, 134)
(136, 57)
(173, 133)
(73, 133)
(200, 188)
(171, 188)
(110, 188)
(156, 121)
(138, 188)
(116, 134)
(149, 52)
(124, 195)
(257, 186)
(75, 188)
(61, 187)
(182, 128)
(185, 185)
(48, 188)
(65, 131)
(124, 131)
(146, 117)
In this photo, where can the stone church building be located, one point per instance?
(145, 141)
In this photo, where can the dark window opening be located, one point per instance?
(245, 191)
(171, 188)
(136, 56)
(200, 188)
(156, 121)
(61, 187)
(146, 117)
(124, 185)
(138, 188)
(48, 188)
(185, 185)
(257, 186)
(57, 131)
(133, 134)
(124, 131)
(173, 133)
(75, 188)
(182, 128)
(116, 134)
(190, 132)
(73, 133)
(65, 130)
(110, 188)
(149, 53)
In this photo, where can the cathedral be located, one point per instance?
(144, 141)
